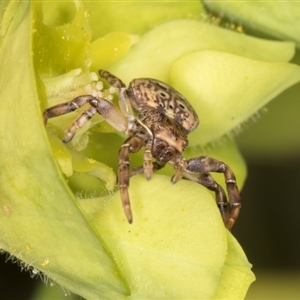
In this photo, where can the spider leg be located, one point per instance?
(105, 108)
(180, 166)
(148, 165)
(131, 145)
(112, 79)
(198, 170)
(205, 179)
(139, 170)
(64, 108)
(208, 181)
(124, 99)
(78, 123)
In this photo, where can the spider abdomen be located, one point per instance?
(152, 94)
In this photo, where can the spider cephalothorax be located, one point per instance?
(162, 120)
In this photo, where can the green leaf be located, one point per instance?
(226, 85)
(138, 16)
(276, 18)
(207, 261)
(154, 55)
(40, 221)
(177, 239)
(235, 273)
(233, 88)
(61, 48)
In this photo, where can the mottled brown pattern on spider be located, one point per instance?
(153, 94)
(164, 128)
(157, 118)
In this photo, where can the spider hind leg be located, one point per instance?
(198, 170)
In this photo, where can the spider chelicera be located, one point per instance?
(162, 120)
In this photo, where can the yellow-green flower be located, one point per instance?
(59, 208)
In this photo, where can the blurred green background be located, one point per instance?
(269, 227)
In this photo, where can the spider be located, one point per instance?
(162, 120)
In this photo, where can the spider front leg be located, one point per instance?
(124, 99)
(105, 108)
(131, 145)
(198, 169)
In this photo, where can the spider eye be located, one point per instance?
(181, 106)
(163, 94)
(162, 86)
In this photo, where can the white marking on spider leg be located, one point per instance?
(148, 130)
(230, 181)
(76, 106)
(125, 145)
